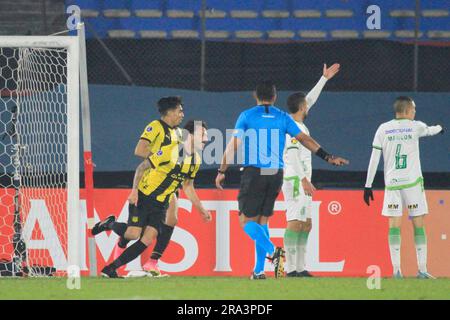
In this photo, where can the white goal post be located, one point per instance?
(40, 152)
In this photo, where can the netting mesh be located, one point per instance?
(33, 158)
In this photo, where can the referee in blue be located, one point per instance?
(262, 130)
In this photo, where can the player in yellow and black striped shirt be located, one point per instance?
(173, 167)
(156, 135)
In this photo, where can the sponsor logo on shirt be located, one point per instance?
(403, 130)
(294, 141)
(159, 153)
(394, 180)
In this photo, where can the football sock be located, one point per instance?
(261, 253)
(394, 248)
(119, 228)
(420, 239)
(301, 250)
(123, 242)
(257, 233)
(162, 241)
(290, 247)
(130, 253)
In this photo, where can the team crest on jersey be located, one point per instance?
(294, 141)
(159, 153)
(149, 129)
(135, 219)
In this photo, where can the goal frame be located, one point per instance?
(72, 45)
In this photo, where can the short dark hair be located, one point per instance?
(294, 101)
(168, 103)
(190, 125)
(402, 103)
(266, 90)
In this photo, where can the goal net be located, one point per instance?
(39, 155)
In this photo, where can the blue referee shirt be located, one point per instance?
(264, 135)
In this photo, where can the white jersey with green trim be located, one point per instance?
(399, 141)
(297, 158)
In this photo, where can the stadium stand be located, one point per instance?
(25, 17)
(268, 19)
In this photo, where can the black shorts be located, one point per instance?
(148, 212)
(258, 191)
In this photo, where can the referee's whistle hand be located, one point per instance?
(338, 161)
(219, 181)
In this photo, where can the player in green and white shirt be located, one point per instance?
(297, 186)
(398, 140)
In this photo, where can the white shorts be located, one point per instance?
(413, 199)
(298, 206)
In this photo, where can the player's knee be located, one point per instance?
(132, 234)
(147, 238)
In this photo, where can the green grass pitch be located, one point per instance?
(223, 288)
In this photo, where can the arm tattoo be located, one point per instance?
(144, 165)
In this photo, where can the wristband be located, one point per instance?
(323, 154)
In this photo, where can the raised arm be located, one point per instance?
(314, 94)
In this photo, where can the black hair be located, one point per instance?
(168, 103)
(402, 103)
(190, 125)
(266, 91)
(294, 101)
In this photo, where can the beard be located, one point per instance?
(305, 116)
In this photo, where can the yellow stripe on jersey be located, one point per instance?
(159, 134)
(169, 172)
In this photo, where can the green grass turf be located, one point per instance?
(223, 288)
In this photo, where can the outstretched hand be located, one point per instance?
(337, 161)
(331, 71)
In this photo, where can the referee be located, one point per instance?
(262, 130)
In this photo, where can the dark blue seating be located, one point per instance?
(327, 16)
